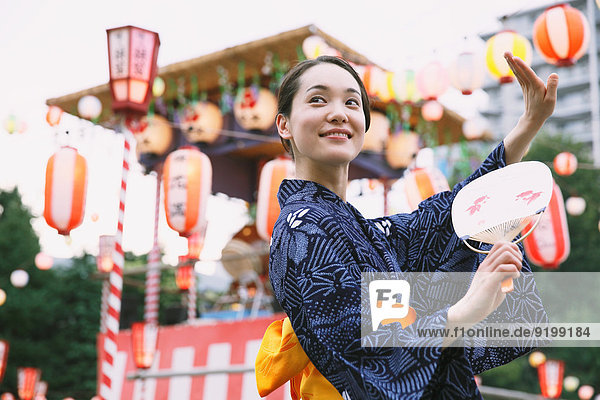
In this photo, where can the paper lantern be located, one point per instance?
(432, 80)
(315, 46)
(19, 278)
(432, 111)
(377, 136)
(4, 347)
(158, 87)
(89, 107)
(425, 158)
(575, 205)
(43, 261)
(28, 379)
(196, 243)
(144, 337)
(11, 124)
(381, 84)
(402, 149)
(405, 87)
(153, 135)
(561, 35)
(585, 392)
(187, 176)
(7, 396)
(571, 383)
(2, 297)
(255, 109)
(106, 246)
(500, 43)
(474, 129)
(549, 244)
(550, 375)
(565, 163)
(184, 275)
(467, 72)
(66, 182)
(423, 183)
(267, 206)
(536, 359)
(202, 122)
(53, 115)
(41, 389)
(240, 259)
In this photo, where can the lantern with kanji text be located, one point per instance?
(561, 35)
(267, 206)
(28, 379)
(144, 338)
(187, 177)
(549, 244)
(132, 55)
(66, 182)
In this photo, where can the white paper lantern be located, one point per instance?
(19, 278)
(575, 205)
(89, 107)
(571, 383)
(2, 297)
(158, 87)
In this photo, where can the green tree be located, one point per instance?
(583, 363)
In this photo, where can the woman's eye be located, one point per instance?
(317, 99)
(353, 102)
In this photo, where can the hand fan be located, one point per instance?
(498, 205)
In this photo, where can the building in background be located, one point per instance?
(572, 114)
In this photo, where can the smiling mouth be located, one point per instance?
(336, 134)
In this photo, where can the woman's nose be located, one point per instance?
(337, 112)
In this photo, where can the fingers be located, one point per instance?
(522, 71)
(502, 253)
(551, 87)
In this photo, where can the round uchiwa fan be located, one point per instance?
(498, 205)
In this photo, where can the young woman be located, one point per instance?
(321, 244)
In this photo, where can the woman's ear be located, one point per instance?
(283, 126)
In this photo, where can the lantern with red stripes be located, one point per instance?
(196, 243)
(187, 177)
(144, 337)
(28, 379)
(184, 276)
(66, 182)
(561, 35)
(422, 183)
(53, 115)
(3, 357)
(565, 163)
(549, 244)
(550, 375)
(267, 206)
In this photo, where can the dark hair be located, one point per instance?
(291, 82)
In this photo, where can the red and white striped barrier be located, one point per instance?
(107, 388)
(152, 292)
(184, 347)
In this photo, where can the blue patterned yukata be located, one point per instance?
(319, 248)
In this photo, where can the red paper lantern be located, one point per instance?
(550, 375)
(144, 338)
(106, 246)
(267, 206)
(422, 183)
(561, 35)
(43, 261)
(549, 244)
(53, 115)
(66, 182)
(4, 347)
(132, 54)
(28, 379)
(196, 243)
(565, 163)
(432, 80)
(187, 176)
(184, 276)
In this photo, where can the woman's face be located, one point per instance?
(327, 124)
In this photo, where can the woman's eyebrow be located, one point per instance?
(323, 87)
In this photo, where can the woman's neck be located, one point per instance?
(334, 178)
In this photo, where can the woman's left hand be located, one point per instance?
(540, 98)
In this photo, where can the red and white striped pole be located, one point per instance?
(192, 298)
(104, 305)
(116, 285)
(153, 274)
